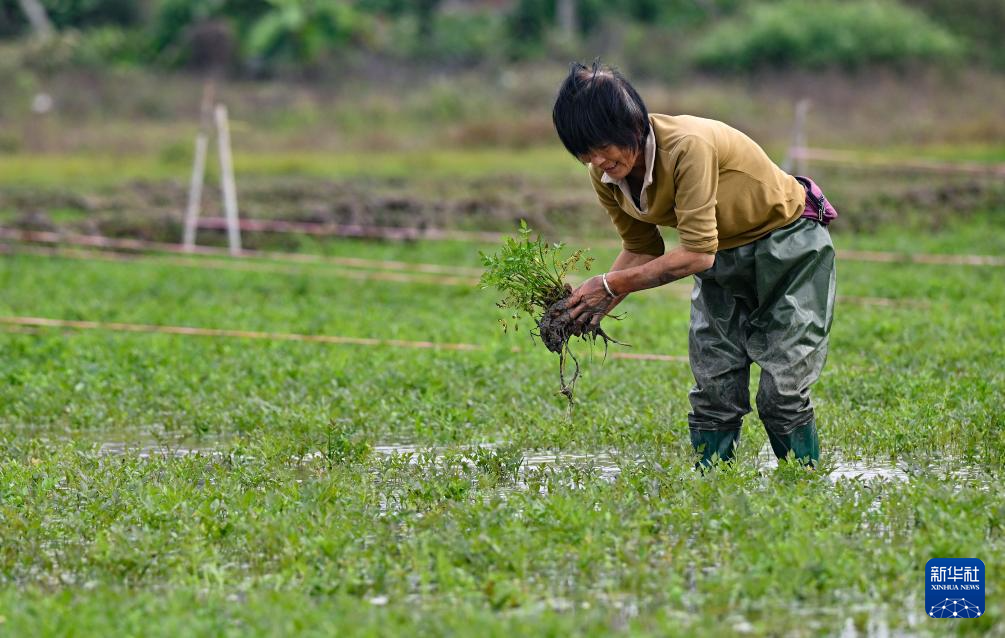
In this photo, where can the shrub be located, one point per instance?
(981, 21)
(814, 34)
(81, 14)
(457, 38)
(268, 32)
(98, 47)
(101, 46)
(465, 38)
(299, 31)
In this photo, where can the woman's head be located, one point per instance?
(597, 109)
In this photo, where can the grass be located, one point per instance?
(452, 550)
(95, 169)
(289, 520)
(968, 153)
(108, 169)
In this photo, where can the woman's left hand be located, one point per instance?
(587, 305)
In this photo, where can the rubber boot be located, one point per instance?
(802, 442)
(713, 444)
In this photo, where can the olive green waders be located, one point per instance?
(770, 302)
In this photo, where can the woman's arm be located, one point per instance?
(631, 272)
(626, 260)
(650, 273)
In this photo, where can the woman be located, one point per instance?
(752, 236)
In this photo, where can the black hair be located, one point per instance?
(595, 107)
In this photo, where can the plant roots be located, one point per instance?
(556, 329)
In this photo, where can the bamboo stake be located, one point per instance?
(195, 191)
(795, 159)
(227, 180)
(567, 18)
(198, 167)
(38, 18)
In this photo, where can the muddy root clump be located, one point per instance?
(556, 329)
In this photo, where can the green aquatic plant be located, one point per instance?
(277, 511)
(531, 274)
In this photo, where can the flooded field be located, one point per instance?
(606, 465)
(342, 442)
(339, 429)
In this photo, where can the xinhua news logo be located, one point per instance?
(954, 588)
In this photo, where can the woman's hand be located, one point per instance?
(587, 305)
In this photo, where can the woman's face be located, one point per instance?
(616, 161)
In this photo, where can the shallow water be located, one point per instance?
(605, 462)
(840, 468)
(114, 448)
(161, 445)
(851, 622)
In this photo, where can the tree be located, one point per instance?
(300, 31)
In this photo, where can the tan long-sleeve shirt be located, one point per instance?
(711, 182)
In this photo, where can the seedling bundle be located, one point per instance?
(531, 274)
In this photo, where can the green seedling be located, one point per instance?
(532, 275)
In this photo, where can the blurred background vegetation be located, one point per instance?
(252, 38)
(424, 106)
(385, 75)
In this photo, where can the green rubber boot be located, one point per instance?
(802, 442)
(712, 444)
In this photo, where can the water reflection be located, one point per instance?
(606, 463)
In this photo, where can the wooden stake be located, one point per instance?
(198, 166)
(795, 158)
(195, 190)
(37, 16)
(227, 180)
(568, 21)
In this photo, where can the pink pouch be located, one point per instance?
(817, 206)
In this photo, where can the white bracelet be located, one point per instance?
(607, 286)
